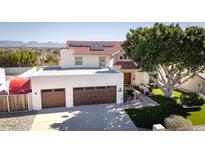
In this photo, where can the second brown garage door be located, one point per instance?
(94, 95)
(53, 98)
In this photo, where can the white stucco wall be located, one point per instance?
(116, 57)
(137, 77)
(70, 81)
(194, 84)
(29, 72)
(68, 59)
(113, 60)
(2, 80)
(30, 104)
(141, 77)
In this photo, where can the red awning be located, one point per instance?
(19, 86)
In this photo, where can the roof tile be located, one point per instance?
(126, 64)
(86, 50)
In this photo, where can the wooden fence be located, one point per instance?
(9, 103)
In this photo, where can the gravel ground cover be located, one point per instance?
(16, 121)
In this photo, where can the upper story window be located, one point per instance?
(102, 61)
(78, 60)
(123, 57)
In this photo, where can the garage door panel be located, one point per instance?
(94, 95)
(53, 98)
(45, 96)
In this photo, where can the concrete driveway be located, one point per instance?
(110, 117)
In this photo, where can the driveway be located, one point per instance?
(103, 117)
(110, 117)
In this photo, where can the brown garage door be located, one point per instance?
(94, 95)
(53, 98)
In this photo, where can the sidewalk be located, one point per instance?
(142, 101)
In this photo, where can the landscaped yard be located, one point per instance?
(147, 116)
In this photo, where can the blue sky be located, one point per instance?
(60, 32)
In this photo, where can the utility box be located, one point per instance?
(158, 127)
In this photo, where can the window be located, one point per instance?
(125, 56)
(110, 87)
(46, 90)
(78, 60)
(59, 89)
(89, 88)
(102, 61)
(79, 88)
(100, 87)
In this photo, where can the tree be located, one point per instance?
(19, 58)
(170, 54)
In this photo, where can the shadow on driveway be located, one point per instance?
(111, 117)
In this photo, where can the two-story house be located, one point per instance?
(109, 54)
(90, 72)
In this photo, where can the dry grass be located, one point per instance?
(178, 123)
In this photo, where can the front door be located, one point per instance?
(127, 78)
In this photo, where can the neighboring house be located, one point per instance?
(195, 84)
(18, 79)
(112, 56)
(2, 82)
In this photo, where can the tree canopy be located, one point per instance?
(169, 53)
(18, 58)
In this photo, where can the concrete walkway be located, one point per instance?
(199, 128)
(109, 117)
(143, 101)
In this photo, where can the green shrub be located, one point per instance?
(152, 86)
(141, 88)
(178, 123)
(125, 96)
(130, 93)
(18, 58)
(150, 80)
(192, 99)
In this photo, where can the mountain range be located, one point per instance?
(33, 44)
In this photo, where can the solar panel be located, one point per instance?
(95, 46)
(79, 44)
(107, 44)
